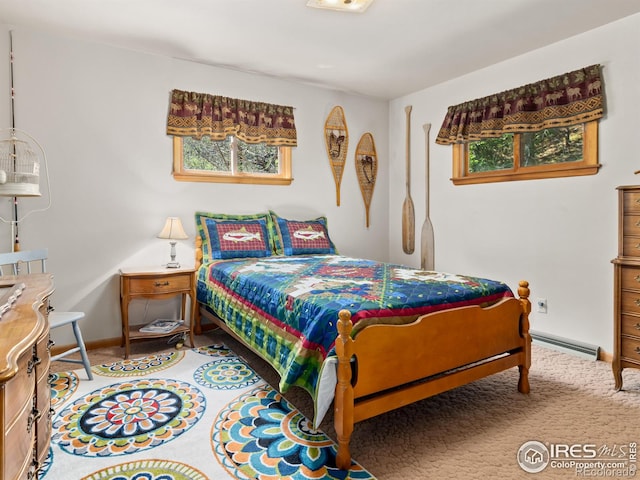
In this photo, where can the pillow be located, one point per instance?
(303, 237)
(236, 238)
(272, 237)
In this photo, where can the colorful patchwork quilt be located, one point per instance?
(286, 307)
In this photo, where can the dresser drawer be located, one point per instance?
(19, 390)
(631, 225)
(22, 442)
(160, 285)
(630, 325)
(632, 202)
(630, 278)
(630, 348)
(630, 246)
(630, 302)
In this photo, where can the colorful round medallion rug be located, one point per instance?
(139, 366)
(261, 436)
(128, 417)
(225, 374)
(215, 350)
(63, 385)
(148, 470)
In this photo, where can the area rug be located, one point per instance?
(193, 414)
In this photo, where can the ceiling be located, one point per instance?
(394, 48)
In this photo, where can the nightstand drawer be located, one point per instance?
(160, 285)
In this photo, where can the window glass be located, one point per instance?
(554, 152)
(553, 145)
(230, 161)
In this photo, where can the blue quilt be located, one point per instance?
(286, 307)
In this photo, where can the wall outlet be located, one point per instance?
(541, 305)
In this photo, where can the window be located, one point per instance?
(230, 161)
(549, 153)
(230, 140)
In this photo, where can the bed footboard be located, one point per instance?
(388, 366)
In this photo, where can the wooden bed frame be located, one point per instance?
(389, 366)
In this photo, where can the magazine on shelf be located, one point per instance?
(161, 325)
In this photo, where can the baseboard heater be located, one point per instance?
(564, 344)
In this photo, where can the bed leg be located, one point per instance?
(197, 320)
(343, 402)
(523, 293)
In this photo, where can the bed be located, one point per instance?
(366, 337)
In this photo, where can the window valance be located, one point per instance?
(199, 114)
(568, 99)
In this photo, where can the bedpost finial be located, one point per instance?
(523, 290)
(344, 322)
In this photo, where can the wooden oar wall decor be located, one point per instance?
(408, 214)
(336, 138)
(366, 169)
(427, 243)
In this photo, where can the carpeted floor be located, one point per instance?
(476, 431)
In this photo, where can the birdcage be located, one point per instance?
(20, 159)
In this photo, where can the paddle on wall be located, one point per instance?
(427, 244)
(408, 214)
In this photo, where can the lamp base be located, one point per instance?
(173, 265)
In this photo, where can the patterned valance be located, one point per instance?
(196, 114)
(568, 99)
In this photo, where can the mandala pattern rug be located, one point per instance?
(199, 414)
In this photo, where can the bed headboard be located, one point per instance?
(198, 251)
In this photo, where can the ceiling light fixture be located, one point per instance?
(356, 6)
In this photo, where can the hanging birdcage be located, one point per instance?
(20, 159)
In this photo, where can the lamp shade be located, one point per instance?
(173, 230)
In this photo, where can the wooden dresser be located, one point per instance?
(627, 284)
(24, 377)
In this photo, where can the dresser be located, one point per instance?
(627, 284)
(25, 407)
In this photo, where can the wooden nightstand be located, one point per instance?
(158, 283)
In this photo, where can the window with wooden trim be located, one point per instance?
(230, 161)
(230, 140)
(548, 153)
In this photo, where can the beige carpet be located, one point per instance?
(475, 432)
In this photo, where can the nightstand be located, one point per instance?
(156, 283)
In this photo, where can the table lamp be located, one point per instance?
(173, 231)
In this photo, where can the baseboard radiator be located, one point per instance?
(586, 350)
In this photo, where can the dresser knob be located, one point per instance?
(637, 302)
(166, 283)
(637, 278)
(637, 349)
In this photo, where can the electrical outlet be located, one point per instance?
(541, 304)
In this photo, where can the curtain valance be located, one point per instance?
(568, 99)
(196, 114)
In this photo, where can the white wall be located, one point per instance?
(559, 234)
(100, 114)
